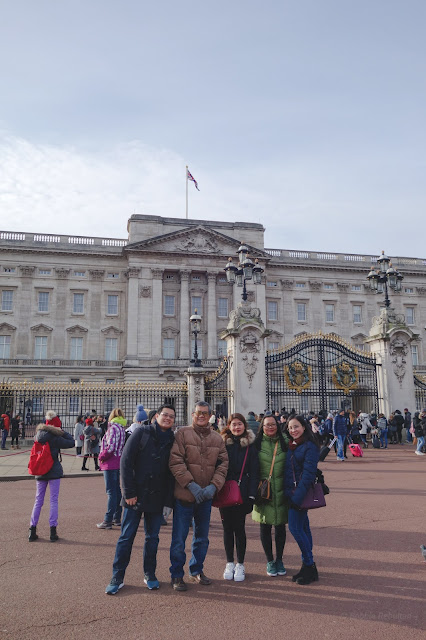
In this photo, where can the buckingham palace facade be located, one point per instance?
(118, 310)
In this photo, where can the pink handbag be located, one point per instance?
(230, 494)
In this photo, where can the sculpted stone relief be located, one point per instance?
(250, 347)
(398, 349)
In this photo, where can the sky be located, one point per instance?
(307, 116)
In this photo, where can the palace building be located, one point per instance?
(118, 310)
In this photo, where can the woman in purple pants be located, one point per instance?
(57, 439)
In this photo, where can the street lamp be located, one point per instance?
(384, 276)
(246, 270)
(195, 321)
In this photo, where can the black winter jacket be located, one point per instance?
(236, 448)
(57, 440)
(145, 473)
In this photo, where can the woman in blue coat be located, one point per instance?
(300, 472)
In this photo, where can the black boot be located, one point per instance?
(32, 534)
(309, 574)
(53, 535)
(297, 575)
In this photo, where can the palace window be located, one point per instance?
(4, 346)
(196, 304)
(40, 348)
(112, 305)
(272, 310)
(415, 354)
(168, 348)
(78, 303)
(6, 300)
(43, 301)
(329, 312)
(222, 307)
(221, 348)
(111, 349)
(76, 348)
(169, 305)
(301, 312)
(409, 315)
(357, 313)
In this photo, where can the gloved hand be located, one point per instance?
(197, 492)
(166, 512)
(208, 492)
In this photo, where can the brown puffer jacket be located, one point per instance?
(198, 455)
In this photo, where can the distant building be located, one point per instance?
(105, 310)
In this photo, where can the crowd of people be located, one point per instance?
(153, 468)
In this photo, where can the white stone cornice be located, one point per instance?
(132, 272)
(40, 327)
(111, 330)
(157, 274)
(76, 328)
(5, 326)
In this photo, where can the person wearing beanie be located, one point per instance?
(91, 443)
(139, 419)
(57, 439)
(53, 419)
(141, 414)
(109, 458)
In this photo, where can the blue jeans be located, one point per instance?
(129, 527)
(384, 438)
(182, 517)
(420, 443)
(4, 435)
(112, 487)
(409, 436)
(298, 524)
(340, 443)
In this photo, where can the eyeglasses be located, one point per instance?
(201, 413)
(169, 416)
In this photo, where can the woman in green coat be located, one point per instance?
(268, 440)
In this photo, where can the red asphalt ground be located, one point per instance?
(372, 576)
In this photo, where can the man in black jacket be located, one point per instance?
(147, 487)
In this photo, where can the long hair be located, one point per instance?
(115, 413)
(259, 435)
(308, 433)
(235, 416)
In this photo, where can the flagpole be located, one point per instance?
(186, 176)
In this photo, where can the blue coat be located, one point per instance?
(340, 426)
(57, 440)
(305, 460)
(145, 473)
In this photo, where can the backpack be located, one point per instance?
(41, 460)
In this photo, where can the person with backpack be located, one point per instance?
(382, 430)
(53, 437)
(109, 460)
(147, 485)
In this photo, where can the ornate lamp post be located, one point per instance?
(384, 276)
(246, 270)
(195, 321)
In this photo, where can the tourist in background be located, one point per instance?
(365, 428)
(382, 430)
(271, 444)
(91, 444)
(239, 441)
(14, 431)
(301, 468)
(420, 431)
(109, 461)
(407, 425)
(79, 435)
(340, 429)
(252, 423)
(353, 427)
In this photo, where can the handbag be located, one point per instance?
(314, 497)
(264, 490)
(230, 494)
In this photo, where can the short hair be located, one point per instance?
(166, 406)
(202, 403)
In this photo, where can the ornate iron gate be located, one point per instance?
(420, 392)
(319, 371)
(216, 389)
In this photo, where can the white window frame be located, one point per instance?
(169, 305)
(43, 307)
(329, 312)
(273, 346)
(169, 348)
(301, 306)
(224, 312)
(222, 349)
(355, 315)
(5, 341)
(111, 349)
(7, 300)
(40, 348)
(76, 307)
(415, 354)
(112, 310)
(198, 306)
(76, 348)
(410, 320)
(272, 306)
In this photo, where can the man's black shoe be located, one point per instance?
(200, 578)
(178, 584)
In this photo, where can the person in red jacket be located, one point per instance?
(5, 428)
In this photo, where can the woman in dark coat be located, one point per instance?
(238, 438)
(57, 440)
(300, 472)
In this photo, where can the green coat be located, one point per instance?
(276, 511)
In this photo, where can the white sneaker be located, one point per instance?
(228, 574)
(420, 453)
(239, 573)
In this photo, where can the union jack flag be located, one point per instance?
(190, 177)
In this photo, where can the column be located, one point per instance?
(211, 320)
(157, 312)
(132, 275)
(195, 379)
(184, 315)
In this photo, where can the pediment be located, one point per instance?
(359, 336)
(77, 328)
(197, 240)
(111, 330)
(5, 326)
(41, 327)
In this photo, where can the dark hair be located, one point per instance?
(201, 403)
(235, 416)
(259, 435)
(166, 406)
(80, 419)
(308, 433)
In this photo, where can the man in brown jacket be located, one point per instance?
(199, 463)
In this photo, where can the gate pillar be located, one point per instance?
(245, 336)
(390, 340)
(195, 380)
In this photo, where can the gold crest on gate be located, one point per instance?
(298, 376)
(345, 376)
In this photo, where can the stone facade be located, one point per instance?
(118, 309)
